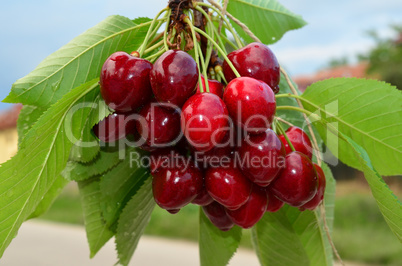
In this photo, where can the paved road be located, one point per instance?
(49, 244)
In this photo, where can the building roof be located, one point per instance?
(8, 118)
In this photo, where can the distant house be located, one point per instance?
(8, 132)
(357, 71)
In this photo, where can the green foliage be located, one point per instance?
(133, 221)
(367, 111)
(295, 234)
(274, 17)
(217, 247)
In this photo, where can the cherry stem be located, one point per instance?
(153, 47)
(218, 69)
(167, 29)
(197, 58)
(230, 42)
(156, 55)
(204, 69)
(228, 25)
(220, 51)
(153, 33)
(283, 132)
(145, 42)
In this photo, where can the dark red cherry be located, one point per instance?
(174, 188)
(297, 183)
(174, 211)
(216, 213)
(228, 186)
(203, 198)
(204, 121)
(319, 196)
(174, 77)
(251, 104)
(161, 126)
(274, 204)
(262, 157)
(300, 141)
(215, 87)
(114, 127)
(252, 211)
(257, 61)
(124, 82)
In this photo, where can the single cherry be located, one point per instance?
(257, 61)
(204, 121)
(251, 104)
(274, 204)
(319, 196)
(124, 82)
(263, 157)
(174, 77)
(161, 126)
(252, 211)
(297, 183)
(215, 87)
(174, 188)
(216, 213)
(114, 127)
(300, 141)
(228, 186)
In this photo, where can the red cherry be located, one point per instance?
(204, 119)
(174, 188)
(257, 61)
(297, 184)
(262, 157)
(251, 104)
(215, 87)
(174, 77)
(319, 196)
(252, 211)
(124, 82)
(203, 198)
(217, 215)
(161, 126)
(228, 186)
(300, 141)
(114, 127)
(274, 204)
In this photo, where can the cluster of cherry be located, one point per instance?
(210, 145)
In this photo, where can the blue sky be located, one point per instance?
(31, 30)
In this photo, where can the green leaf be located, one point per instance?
(86, 146)
(367, 111)
(119, 185)
(106, 160)
(388, 203)
(50, 196)
(302, 234)
(267, 19)
(77, 62)
(276, 242)
(217, 247)
(97, 231)
(133, 221)
(42, 155)
(26, 119)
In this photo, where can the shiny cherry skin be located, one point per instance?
(251, 104)
(204, 119)
(264, 157)
(161, 127)
(297, 183)
(300, 141)
(174, 77)
(114, 127)
(216, 213)
(228, 186)
(252, 211)
(215, 87)
(257, 61)
(124, 82)
(319, 196)
(175, 187)
(203, 198)
(274, 204)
